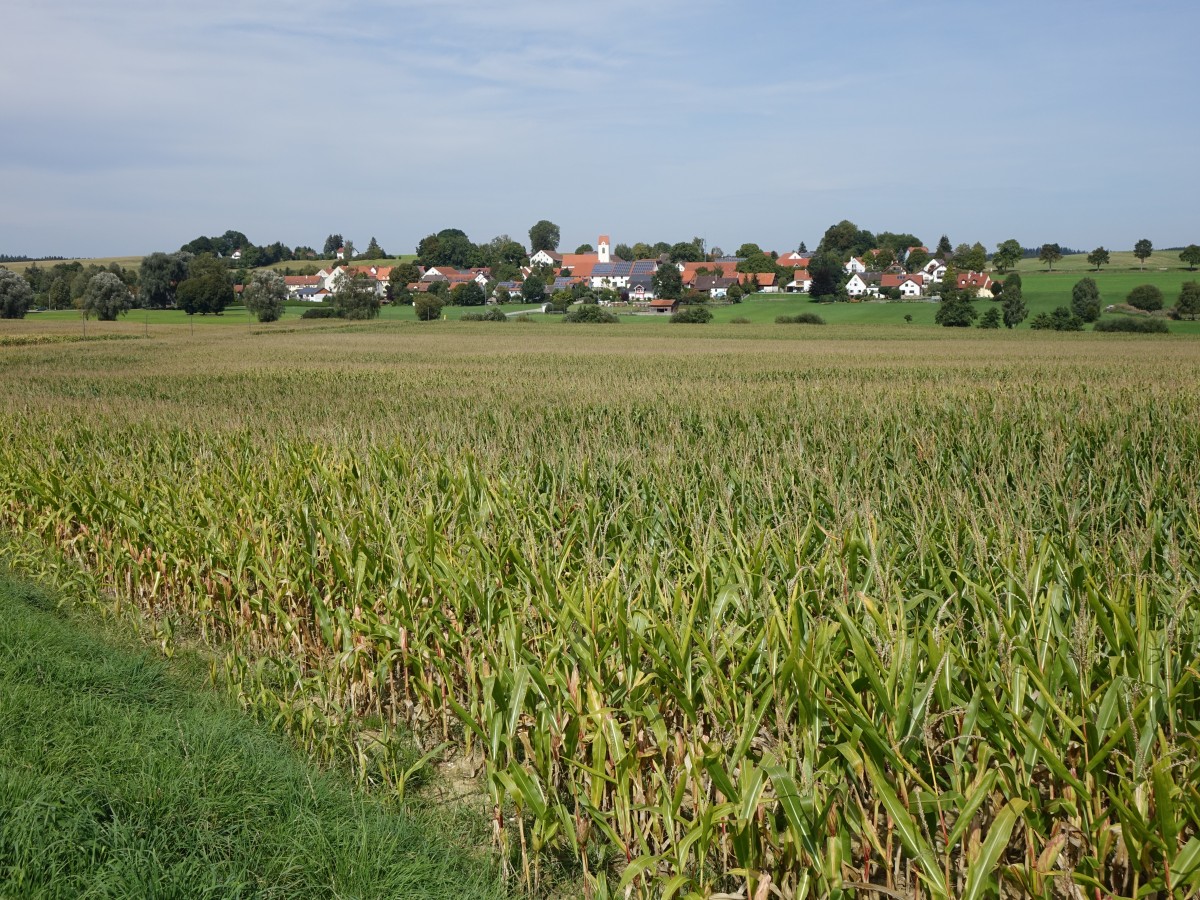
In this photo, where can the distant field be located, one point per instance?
(1120, 259)
(124, 261)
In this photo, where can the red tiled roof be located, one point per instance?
(894, 280)
(301, 280)
(973, 280)
(662, 302)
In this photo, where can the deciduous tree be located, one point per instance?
(106, 297)
(265, 295)
(355, 297)
(1191, 255)
(1014, 307)
(1008, 254)
(159, 277)
(1085, 300)
(533, 290)
(544, 235)
(1098, 258)
(1142, 250)
(828, 276)
(668, 282)
(16, 295)
(1050, 254)
(955, 311)
(1188, 304)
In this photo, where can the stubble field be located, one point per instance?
(911, 610)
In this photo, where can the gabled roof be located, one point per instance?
(663, 303)
(692, 269)
(715, 282)
(301, 281)
(973, 280)
(894, 280)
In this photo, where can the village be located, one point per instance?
(633, 282)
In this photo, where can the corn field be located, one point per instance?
(712, 616)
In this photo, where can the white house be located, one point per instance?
(856, 266)
(909, 286)
(801, 284)
(934, 271)
(546, 258)
(863, 284)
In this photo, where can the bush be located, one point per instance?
(590, 312)
(740, 320)
(692, 315)
(1145, 296)
(1139, 325)
(1062, 319)
(805, 318)
(321, 312)
(492, 315)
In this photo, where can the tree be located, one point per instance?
(333, 244)
(943, 250)
(16, 295)
(585, 248)
(355, 297)
(748, 250)
(1145, 296)
(686, 251)
(828, 276)
(59, 295)
(449, 247)
(1189, 300)
(159, 276)
(1008, 254)
(668, 282)
(207, 289)
(264, 296)
(1050, 254)
(624, 251)
(956, 311)
(1098, 258)
(845, 239)
(1085, 300)
(374, 251)
(1191, 256)
(533, 290)
(544, 235)
(503, 295)
(1142, 250)
(469, 293)
(971, 259)
(427, 307)
(803, 248)
(1014, 307)
(991, 318)
(916, 260)
(106, 297)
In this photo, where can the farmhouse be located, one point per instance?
(910, 286)
(978, 283)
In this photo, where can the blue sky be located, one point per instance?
(137, 126)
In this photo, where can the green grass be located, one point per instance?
(120, 778)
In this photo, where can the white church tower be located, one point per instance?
(602, 247)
